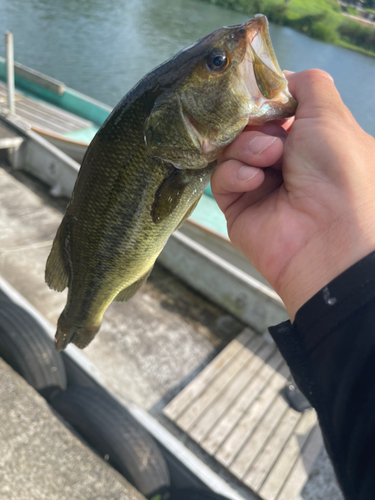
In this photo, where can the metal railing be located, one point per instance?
(10, 71)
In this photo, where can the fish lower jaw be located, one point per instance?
(275, 109)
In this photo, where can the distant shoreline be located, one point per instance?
(319, 19)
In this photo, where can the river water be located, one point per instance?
(102, 48)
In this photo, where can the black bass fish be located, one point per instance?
(149, 163)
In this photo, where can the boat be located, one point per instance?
(63, 116)
(46, 108)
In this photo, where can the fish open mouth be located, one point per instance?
(261, 45)
(262, 75)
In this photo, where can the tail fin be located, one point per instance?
(68, 331)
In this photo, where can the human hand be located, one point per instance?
(312, 215)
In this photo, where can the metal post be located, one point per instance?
(10, 71)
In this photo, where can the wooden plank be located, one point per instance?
(193, 390)
(34, 119)
(250, 419)
(281, 470)
(31, 112)
(43, 114)
(229, 395)
(58, 113)
(258, 439)
(303, 466)
(200, 405)
(268, 456)
(235, 408)
(47, 113)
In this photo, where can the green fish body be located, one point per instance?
(149, 164)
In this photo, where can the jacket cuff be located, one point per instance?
(330, 306)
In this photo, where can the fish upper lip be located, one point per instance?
(256, 34)
(258, 27)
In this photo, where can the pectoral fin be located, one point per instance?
(57, 275)
(168, 196)
(188, 213)
(128, 292)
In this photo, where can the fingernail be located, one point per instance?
(261, 142)
(246, 173)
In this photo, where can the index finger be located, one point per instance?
(316, 94)
(263, 153)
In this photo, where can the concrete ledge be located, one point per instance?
(41, 459)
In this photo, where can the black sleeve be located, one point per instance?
(330, 349)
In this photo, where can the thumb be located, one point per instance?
(316, 94)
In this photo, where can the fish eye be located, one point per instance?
(217, 60)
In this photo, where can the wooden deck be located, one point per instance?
(234, 410)
(43, 116)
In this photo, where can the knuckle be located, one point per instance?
(317, 76)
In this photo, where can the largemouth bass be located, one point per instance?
(149, 164)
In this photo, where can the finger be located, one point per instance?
(231, 179)
(272, 181)
(255, 148)
(233, 176)
(316, 94)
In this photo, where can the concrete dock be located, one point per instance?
(41, 459)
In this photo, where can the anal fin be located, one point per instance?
(56, 275)
(128, 292)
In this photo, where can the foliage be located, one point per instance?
(320, 19)
(274, 9)
(322, 26)
(304, 7)
(365, 3)
(358, 34)
(352, 11)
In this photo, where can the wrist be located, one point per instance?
(316, 265)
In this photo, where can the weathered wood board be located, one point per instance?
(41, 115)
(235, 411)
